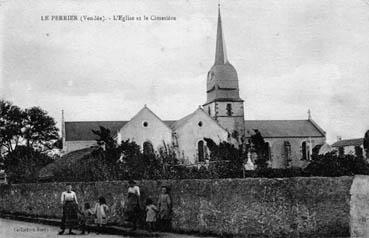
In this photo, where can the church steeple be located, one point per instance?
(223, 98)
(220, 49)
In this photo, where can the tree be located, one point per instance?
(366, 143)
(261, 148)
(226, 160)
(105, 138)
(39, 128)
(32, 127)
(11, 123)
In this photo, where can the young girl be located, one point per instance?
(151, 211)
(165, 209)
(101, 210)
(87, 218)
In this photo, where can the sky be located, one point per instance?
(290, 56)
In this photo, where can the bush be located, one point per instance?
(127, 161)
(23, 164)
(331, 165)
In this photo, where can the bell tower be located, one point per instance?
(223, 99)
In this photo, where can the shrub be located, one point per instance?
(23, 164)
(332, 165)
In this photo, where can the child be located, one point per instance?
(101, 210)
(151, 211)
(87, 217)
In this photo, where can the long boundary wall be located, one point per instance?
(289, 207)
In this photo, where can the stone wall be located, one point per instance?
(246, 207)
(359, 204)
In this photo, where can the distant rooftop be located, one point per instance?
(349, 142)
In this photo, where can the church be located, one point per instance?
(221, 118)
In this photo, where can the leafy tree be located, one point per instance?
(39, 128)
(32, 127)
(226, 160)
(358, 151)
(341, 151)
(105, 138)
(261, 148)
(131, 166)
(11, 123)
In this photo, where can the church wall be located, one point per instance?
(77, 145)
(278, 159)
(156, 132)
(191, 133)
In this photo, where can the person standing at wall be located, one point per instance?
(165, 209)
(101, 210)
(133, 204)
(70, 210)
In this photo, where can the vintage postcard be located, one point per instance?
(184, 118)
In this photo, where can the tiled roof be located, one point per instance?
(82, 130)
(182, 121)
(284, 128)
(349, 142)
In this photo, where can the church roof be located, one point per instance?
(82, 130)
(349, 142)
(284, 128)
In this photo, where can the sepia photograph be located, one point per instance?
(184, 118)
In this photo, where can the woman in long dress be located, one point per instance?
(132, 210)
(165, 209)
(70, 210)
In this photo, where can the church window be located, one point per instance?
(267, 150)
(145, 123)
(305, 151)
(209, 112)
(229, 109)
(287, 153)
(148, 148)
(201, 151)
(200, 123)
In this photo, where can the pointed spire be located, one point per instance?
(220, 50)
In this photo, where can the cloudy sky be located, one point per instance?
(290, 56)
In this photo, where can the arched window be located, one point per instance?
(287, 153)
(305, 151)
(148, 148)
(201, 151)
